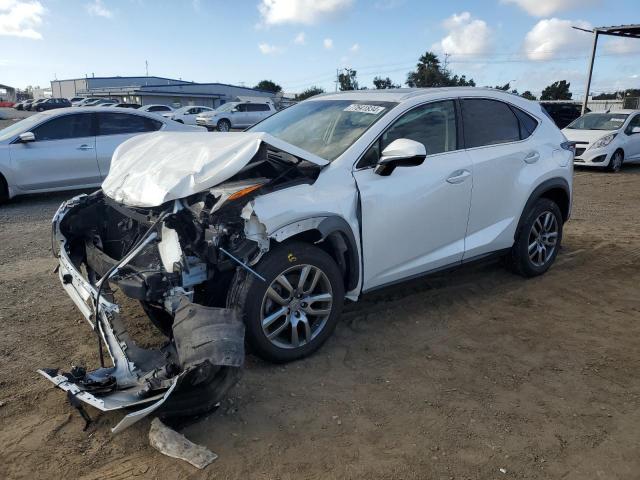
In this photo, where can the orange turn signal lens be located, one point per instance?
(244, 191)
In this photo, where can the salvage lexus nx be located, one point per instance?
(259, 236)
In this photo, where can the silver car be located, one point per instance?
(69, 148)
(235, 115)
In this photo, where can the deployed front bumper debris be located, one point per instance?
(203, 342)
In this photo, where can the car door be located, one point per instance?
(505, 155)
(62, 155)
(415, 220)
(189, 117)
(632, 145)
(239, 116)
(115, 128)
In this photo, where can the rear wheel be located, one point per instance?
(617, 159)
(537, 240)
(224, 125)
(295, 310)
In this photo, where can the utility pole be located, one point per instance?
(446, 62)
(146, 67)
(337, 78)
(593, 56)
(595, 33)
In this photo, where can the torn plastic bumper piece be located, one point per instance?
(114, 401)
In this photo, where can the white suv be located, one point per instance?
(268, 231)
(235, 115)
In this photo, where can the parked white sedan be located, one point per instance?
(187, 115)
(159, 110)
(69, 148)
(606, 139)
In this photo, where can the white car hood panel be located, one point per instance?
(575, 135)
(149, 170)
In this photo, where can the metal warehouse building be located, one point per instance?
(152, 90)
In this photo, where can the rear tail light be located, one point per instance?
(571, 146)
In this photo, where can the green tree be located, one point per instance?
(348, 80)
(528, 95)
(382, 83)
(557, 91)
(429, 72)
(269, 86)
(309, 92)
(504, 87)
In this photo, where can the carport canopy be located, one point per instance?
(628, 31)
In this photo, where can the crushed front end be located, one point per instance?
(178, 261)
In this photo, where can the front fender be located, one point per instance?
(326, 227)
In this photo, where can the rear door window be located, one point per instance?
(64, 127)
(488, 122)
(122, 123)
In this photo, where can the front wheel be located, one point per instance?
(615, 164)
(537, 240)
(224, 125)
(295, 310)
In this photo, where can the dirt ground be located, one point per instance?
(479, 374)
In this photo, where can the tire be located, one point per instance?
(189, 400)
(314, 322)
(615, 164)
(4, 191)
(224, 125)
(525, 257)
(39, 109)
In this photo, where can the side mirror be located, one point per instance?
(400, 153)
(27, 137)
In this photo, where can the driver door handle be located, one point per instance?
(84, 146)
(459, 176)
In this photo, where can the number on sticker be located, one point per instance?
(362, 108)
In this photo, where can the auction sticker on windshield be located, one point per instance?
(362, 108)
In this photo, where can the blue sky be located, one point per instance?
(299, 43)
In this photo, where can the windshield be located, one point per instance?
(324, 127)
(226, 107)
(21, 126)
(599, 121)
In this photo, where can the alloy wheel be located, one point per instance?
(296, 306)
(223, 127)
(543, 238)
(616, 161)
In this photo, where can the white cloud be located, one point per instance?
(466, 35)
(20, 18)
(267, 49)
(276, 12)
(544, 8)
(97, 9)
(553, 36)
(300, 39)
(355, 48)
(622, 45)
(328, 43)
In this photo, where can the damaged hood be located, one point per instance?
(149, 170)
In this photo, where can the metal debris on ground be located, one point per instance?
(173, 444)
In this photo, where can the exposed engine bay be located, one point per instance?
(180, 260)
